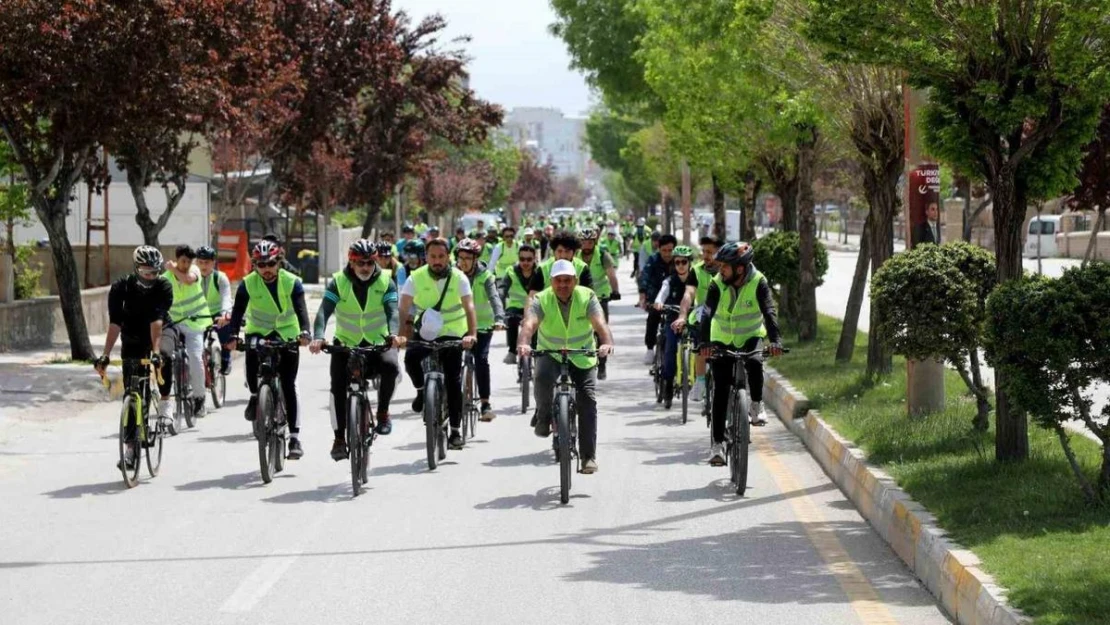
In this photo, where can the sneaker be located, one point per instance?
(385, 425)
(225, 369)
(455, 441)
(755, 414)
(649, 357)
(339, 450)
(510, 359)
(668, 394)
(535, 419)
(589, 466)
(418, 403)
(295, 449)
(128, 460)
(717, 455)
(199, 407)
(487, 412)
(542, 427)
(252, 406)
(699, 388)
(601, 374)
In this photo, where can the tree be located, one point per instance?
(569, 191)
(1015, 89)
(1093, 192)
(452, 184)
(535, 183)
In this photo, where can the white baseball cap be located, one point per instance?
(528, 231)
(563, 268)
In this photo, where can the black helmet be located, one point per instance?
(148, 256)
(362, 249)
(205, 252)
(736, 254)
(385, 249)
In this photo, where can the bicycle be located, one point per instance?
(435, 401)
(182, 389)
(270, 418)
(564, 426)
(137, 402)
(687, 350)
(470, 396)
(214, 379)
(660, 350)
(523, 375)
(738, 432)
(360, 418)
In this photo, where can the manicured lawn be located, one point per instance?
(1028, 523)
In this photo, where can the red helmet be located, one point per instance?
(266, 251)
(468, 245)
(362, 249)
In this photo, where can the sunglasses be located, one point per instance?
(681, 262)
(526, 259)
(147, 273)
(266, 264)
(364, 263)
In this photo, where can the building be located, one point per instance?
(558, 138)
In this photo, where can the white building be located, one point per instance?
(560, 138)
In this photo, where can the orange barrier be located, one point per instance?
(232, 255)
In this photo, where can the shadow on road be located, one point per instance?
(235, 481)
(543, 499)
(230, 438)
(78, 491)
(538, 459)
(320, 494)
(412, 468)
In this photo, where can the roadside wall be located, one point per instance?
(37, 323)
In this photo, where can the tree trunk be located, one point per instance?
(884, 204)
(807, 260)
(789, 200)
(1093, 242)
(373, 209)
(719, 216)
(847, 346)
(752, 183)
(52, 214)
(152, 229)
(1011, 440)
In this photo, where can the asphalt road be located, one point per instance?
(656, 536)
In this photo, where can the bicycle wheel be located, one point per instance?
(155, 434)
(219, 380)
(130, 477)
(366, 436)
(562, 425)
(525, 383)
(743, 441)
(263, 425)
(657, 373)
(354, 442)
(184, 402)
(684, 380)
(732, 436)
(468, 398)
(431, 422)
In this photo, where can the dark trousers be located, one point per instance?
(225, 337)
(451, 361)
(131, 352)
(585, 383)
(384, 365)
(654, 318)
(723, 383)
(601, 360)
(512, 327)
(287, 373)
(481, 363)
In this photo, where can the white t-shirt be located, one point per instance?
(464, 287)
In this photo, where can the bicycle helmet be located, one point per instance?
(641, 221)
(205, 252)
(683, 251)
(148, 256)
(736, 254)
(266, 250)
(362, 249)
(385, 250)
(587, 234)
(414, 248)
(468, 245)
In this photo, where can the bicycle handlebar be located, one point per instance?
(259, 343)
(564, 352)
(717, 352)
(337, 348)
(436, 346)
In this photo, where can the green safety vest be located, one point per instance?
(613, 246)
(211, 285)
(704, 278)
(188, 301)
(507, 258)
(518, 289)
(427, 294)
(545, 269)
(737, 320)
(420, 229)
(264, 317)
(597, 272)
(487, 251)
(483, 308)
(353, 324)
(555, 334)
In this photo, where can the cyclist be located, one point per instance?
(272, 302)
(445, 291)
(488, 311)
(420, 227)
(460, 234)
(740, 311)
(431, 233)
(414, 256)
(705, 270)
(504, 254)
(564, 246)
(363, 298)
(386, 236)
(655, 271)
(479, 237)
(514, 292)
(138, 305)
(529, 238)
(603, 275)
(408, 235)
(640, 236)
(386, 261)
(612, 244)
(675, 289)
(217, 290)
(188, 301)
(567, 316)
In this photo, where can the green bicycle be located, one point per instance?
(135, 433)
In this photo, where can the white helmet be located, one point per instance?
(641, 221)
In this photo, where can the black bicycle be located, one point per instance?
(185, 407)
(435, 400)
(524, 377)
(138, 405)
(270, 420)
(564, 424)
(738, 432)
(470, 396)
(214, 379)
(660, 351)
(360, 417)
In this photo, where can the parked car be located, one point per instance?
(1040, 238)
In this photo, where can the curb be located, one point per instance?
(950, 572)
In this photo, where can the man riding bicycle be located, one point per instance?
(514, 292)
(445, 312)
(138, 305)
(272, 301)
(567, 316)
(504, 254)
(188, 301)
(363, 299)
(564, 246)
(741, 313)
(659, 265)
(217, 290)
(413, 254)
(603, 275)
(705, 270)
(489, 312)
(675, 289)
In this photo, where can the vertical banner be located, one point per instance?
(924, 205)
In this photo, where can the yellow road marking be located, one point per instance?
(861, 594)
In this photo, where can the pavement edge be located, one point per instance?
(949, 571)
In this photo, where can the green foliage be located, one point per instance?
(776, 256)
(608, 135)
(27, 272)
(349, 219)
(503, 160)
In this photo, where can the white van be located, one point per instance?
(1040, 238)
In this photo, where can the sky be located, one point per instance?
(514, 60)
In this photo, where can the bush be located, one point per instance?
(776, 256)
(1051, 340)
(27, 272)
(930, 304)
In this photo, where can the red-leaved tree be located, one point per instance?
(535, 183)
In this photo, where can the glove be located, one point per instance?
(100, 364)
(615, 297)
(156, 360)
